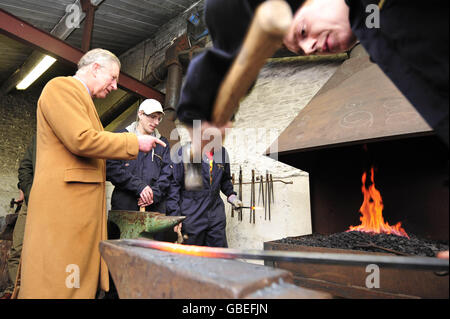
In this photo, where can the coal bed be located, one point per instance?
(383, 243)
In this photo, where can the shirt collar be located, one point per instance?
(89, 91)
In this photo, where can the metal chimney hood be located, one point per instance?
(358, 104)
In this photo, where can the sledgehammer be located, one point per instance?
(270, 24)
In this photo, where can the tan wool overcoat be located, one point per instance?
(67, 210)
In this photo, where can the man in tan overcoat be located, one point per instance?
(67, 210)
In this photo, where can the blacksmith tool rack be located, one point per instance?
(252, 199)
(232, 207)
(265, 194)
(240, 193)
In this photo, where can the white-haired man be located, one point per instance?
(67, 210)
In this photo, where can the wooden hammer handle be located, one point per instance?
(270, 23)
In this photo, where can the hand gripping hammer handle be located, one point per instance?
(270, 23)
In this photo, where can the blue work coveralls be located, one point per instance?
(205, 221)
(131, 177)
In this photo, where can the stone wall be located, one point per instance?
(17, 126)
(283, 88)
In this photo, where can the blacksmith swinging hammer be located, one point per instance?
(270, 24)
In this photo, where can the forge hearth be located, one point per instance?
(412, 176)
(358, 120)
(350, 281)
(382, 243)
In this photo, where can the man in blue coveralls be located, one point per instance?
(204, 209)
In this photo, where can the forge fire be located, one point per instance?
(374, 234)
(372, 220)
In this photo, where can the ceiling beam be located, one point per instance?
(88, 27)
(61, 30)
(26, 33)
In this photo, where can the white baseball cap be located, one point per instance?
(150, 106)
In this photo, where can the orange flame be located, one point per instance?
(372, 220)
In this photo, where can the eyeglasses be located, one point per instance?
(154, 117)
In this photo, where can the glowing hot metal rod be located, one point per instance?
(425, 263)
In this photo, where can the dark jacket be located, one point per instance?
(204, 209)
(131, 177)
(411, 47)
(27, 168)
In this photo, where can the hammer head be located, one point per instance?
(193, 180)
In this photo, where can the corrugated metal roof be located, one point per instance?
(122, 24)
(119, 24)
(12, 55)
(43, 14)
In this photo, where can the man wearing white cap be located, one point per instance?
(143, 182)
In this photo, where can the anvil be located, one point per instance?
(134, 224)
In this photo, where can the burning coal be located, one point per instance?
(372, 220)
